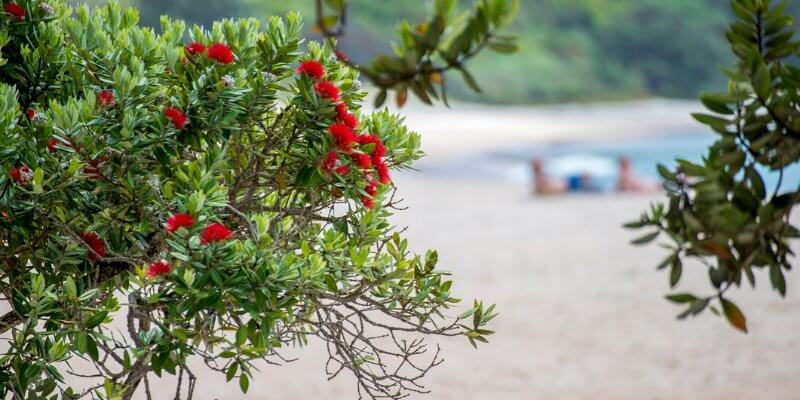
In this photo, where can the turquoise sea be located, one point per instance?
(597, 158)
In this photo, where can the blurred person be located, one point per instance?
(543, 184)
(627, 180)
(547, 185)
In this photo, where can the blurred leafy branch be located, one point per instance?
(426, 51)
(720, 211)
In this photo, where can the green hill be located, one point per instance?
(572, 50)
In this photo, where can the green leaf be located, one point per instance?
(646, 238)
(96, 319)
(681, 298)
(241, 336)
(380, 99)
(777, 279)
(695, 308)
(717, 123)
(666, 173)
(676, 271)
(635, 224)
(762, 81)
(244, 382)
(470, 80)
(715, 103)
(504, 47)
(69, 287)
(231, 371)
(734, 315)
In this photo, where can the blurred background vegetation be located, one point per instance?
(571, 50)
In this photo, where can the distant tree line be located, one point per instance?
(574, 50)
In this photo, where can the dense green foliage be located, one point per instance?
(719, 211)
(163, 200)
(571, 49)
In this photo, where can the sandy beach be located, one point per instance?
(582, 314)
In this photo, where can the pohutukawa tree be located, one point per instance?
(720, 212)
(211, 195)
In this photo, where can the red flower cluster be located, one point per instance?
(20, 175)
(327, 90)
(329, 162)
(180, 220)
(220, 53)
(178, 118)
(378, 152)
(362, 161)
(372, 152)
(311, 68)
(343, 115)
(98, 248)
(159, 268)
(31, 113)
(383, 172)
(372, 190)
(106, 99)
(14, 10)
(195, 48)
(215, 232)
(51, 145)
(343, 137)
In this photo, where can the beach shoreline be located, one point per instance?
(465, 128)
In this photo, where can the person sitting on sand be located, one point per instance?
(629, 182)
(543, 184)
(546, 185)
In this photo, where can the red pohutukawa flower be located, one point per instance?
(383, 172)
(51, 145)
(96, 245)
(31, 113)
(106, 99)
(215, 232)
(20, 175)
(159, 268)
(345, 117)
(342, 169)
(178, 118)
(14, 10)
(372, 190)
(343, 137)
(327, 90)
(367, 202)
(195, 48)
(329, 162)
(220, 53)
(362, 160)
(180, 220)
(312, 68)
(378, 150)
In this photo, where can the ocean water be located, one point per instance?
(597, 158)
